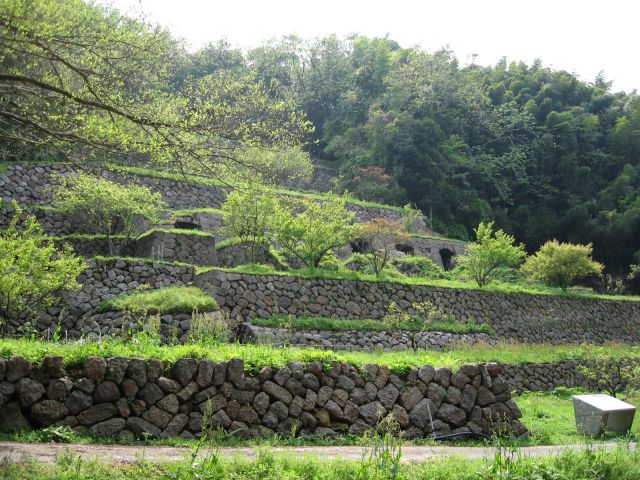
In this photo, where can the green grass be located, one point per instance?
(622, 463)
(192, 211)
(163, 301)
(198, 180)
(550, 419)
(495, 287)
(258, 356)
(322, 323)
(175, 231)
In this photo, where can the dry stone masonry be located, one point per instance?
(523, 317)
(132, 398)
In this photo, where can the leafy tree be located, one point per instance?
(33, 272)
(248, 214)
(382, 236)
(308, 229)
(77, 75)
(610, 373)
(559, 264)
(104, 207)
(491, 251)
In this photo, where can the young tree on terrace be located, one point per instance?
(490, 251)
(248, 214)
(80, 78)
(559, 264)
(33, 272)
(382, 235)
(100, 206)
(309, 229)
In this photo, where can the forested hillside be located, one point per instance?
(541, 152)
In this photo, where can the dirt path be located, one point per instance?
(47, 452)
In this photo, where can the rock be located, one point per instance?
(294, 387)
(310, 400)
(279, 409)
(85, 385)
(169, 404)
(154, 369)
(59, 388)
(137, 371)
(220, 419)
(28, 392)
(12, 420)
(459, 380)
(248, 415)
(277, 392)
(307, 420)
(499, 385)
(54, 366)
(486, 377)
(261, 403)
(515, 410)
(469, 370)
(400, 415)
(310, 381)
(150, 394)
(235, 372)
(282, 375)
(270, 420)
(452, 415)
(371, 412)
(422, 414)
(116, 369)
(453, 395)
(97, 413)
(95, 368)
(213, 404)
(157, 417)
(204, 375)
(442, 376)
(468, 397)
(485, 397)
(426, 374)
(106, 392)
(296, 407)
(324, 432)
(388, 396)
(219, 373)
(168, 385)
(123, 407)
(345, 383)
(410, 397)
(184, 369)
(125, 436)
(436, 394)
(141, 428)
(78, 401)
(187, 392)
(47, 412)
(176, 425)
(17, 368)
(108, 428)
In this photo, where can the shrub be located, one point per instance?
(33, 272)
(248, 214)
(382, 236)
(610, 373)
(491, 251)
(559, 264)
(418, 267)
(308, 230)
(409, 216)
(105, 207)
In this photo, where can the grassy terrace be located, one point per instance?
(622, 463)
(162, 301)
(258, 356)
(321, 323)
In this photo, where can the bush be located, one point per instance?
(105, 207)
(162, 301)
(33, 272)
(490, 251)
(418, 267)
(409, 217)
(559, 264)
(308, 230)
(382, 235)
(610, 373)
(248, 214)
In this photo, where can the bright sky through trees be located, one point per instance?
(578, 36)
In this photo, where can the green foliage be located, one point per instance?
(421, 317)
(33, 272)
(102, 206)
(275, 165)
(308, 230)
(382, 236)
(162, 301)
(332, 324)
(409, 216)
(418, 266)
(611, 375)
(79, 76)
(559, 264)
(490, 251)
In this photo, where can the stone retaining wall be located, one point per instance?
(127, 398)
(100, 281)
(522, 317)
(33, 185)
(358, 340)
(173, 246)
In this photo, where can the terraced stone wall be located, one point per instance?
(129, 397)
(522, 317)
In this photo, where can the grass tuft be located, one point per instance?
(163, 301)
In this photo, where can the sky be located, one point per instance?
(582, 37)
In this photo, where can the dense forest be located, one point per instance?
(542, 153)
